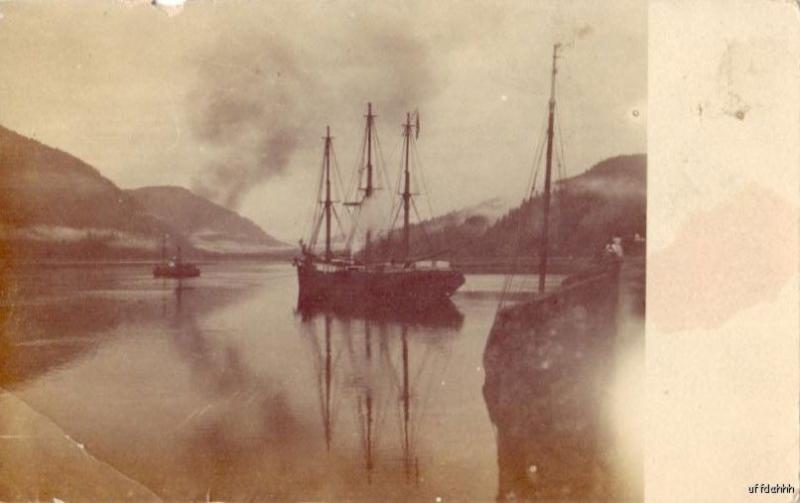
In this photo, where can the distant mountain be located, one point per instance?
(208, 226)
(54, 204)
(608, 199)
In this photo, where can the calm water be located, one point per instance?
(217, 388)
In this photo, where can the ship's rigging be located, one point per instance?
(551, 147)
(543, 351)
(326, 210)
(341, 277)
(366, 219)
(365, 208)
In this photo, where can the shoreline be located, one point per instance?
(42, 461)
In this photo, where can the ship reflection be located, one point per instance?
(367, 358)
(443, 314)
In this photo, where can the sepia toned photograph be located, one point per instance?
(322, 251)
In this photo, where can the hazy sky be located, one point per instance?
(230, 97)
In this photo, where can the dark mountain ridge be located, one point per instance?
(56, 206)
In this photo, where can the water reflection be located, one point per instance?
(245, 440)
(219, 388)
(381, 373)
(58, 315)
(442, 314)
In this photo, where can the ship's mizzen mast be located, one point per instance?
(328, 203)
(407, 190)
(547, 176)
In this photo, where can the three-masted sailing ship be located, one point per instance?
(340, 278)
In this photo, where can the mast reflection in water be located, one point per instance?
(218, 388)
(364, 358)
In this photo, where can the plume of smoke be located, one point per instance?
(373, 217)
(261, 97)
(248, 116)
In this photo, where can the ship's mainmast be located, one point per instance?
(368, 189)
(407, 189)
(547, 175)
(328, 203)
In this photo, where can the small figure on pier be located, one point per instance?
(616, 246)
(613, 250)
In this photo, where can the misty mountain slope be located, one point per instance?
(49, 196)
(608, 199)
(208, 226)
(485, 213)
(42, 185)
(440, 233)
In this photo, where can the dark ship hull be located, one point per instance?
(176, 271)
(441, 314)
(549, 366)
(391, 286)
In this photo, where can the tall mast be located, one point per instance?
(328, 202)
(547, 175)
(368, 189)
(407, 190)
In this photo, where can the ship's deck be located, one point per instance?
(383, 267)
